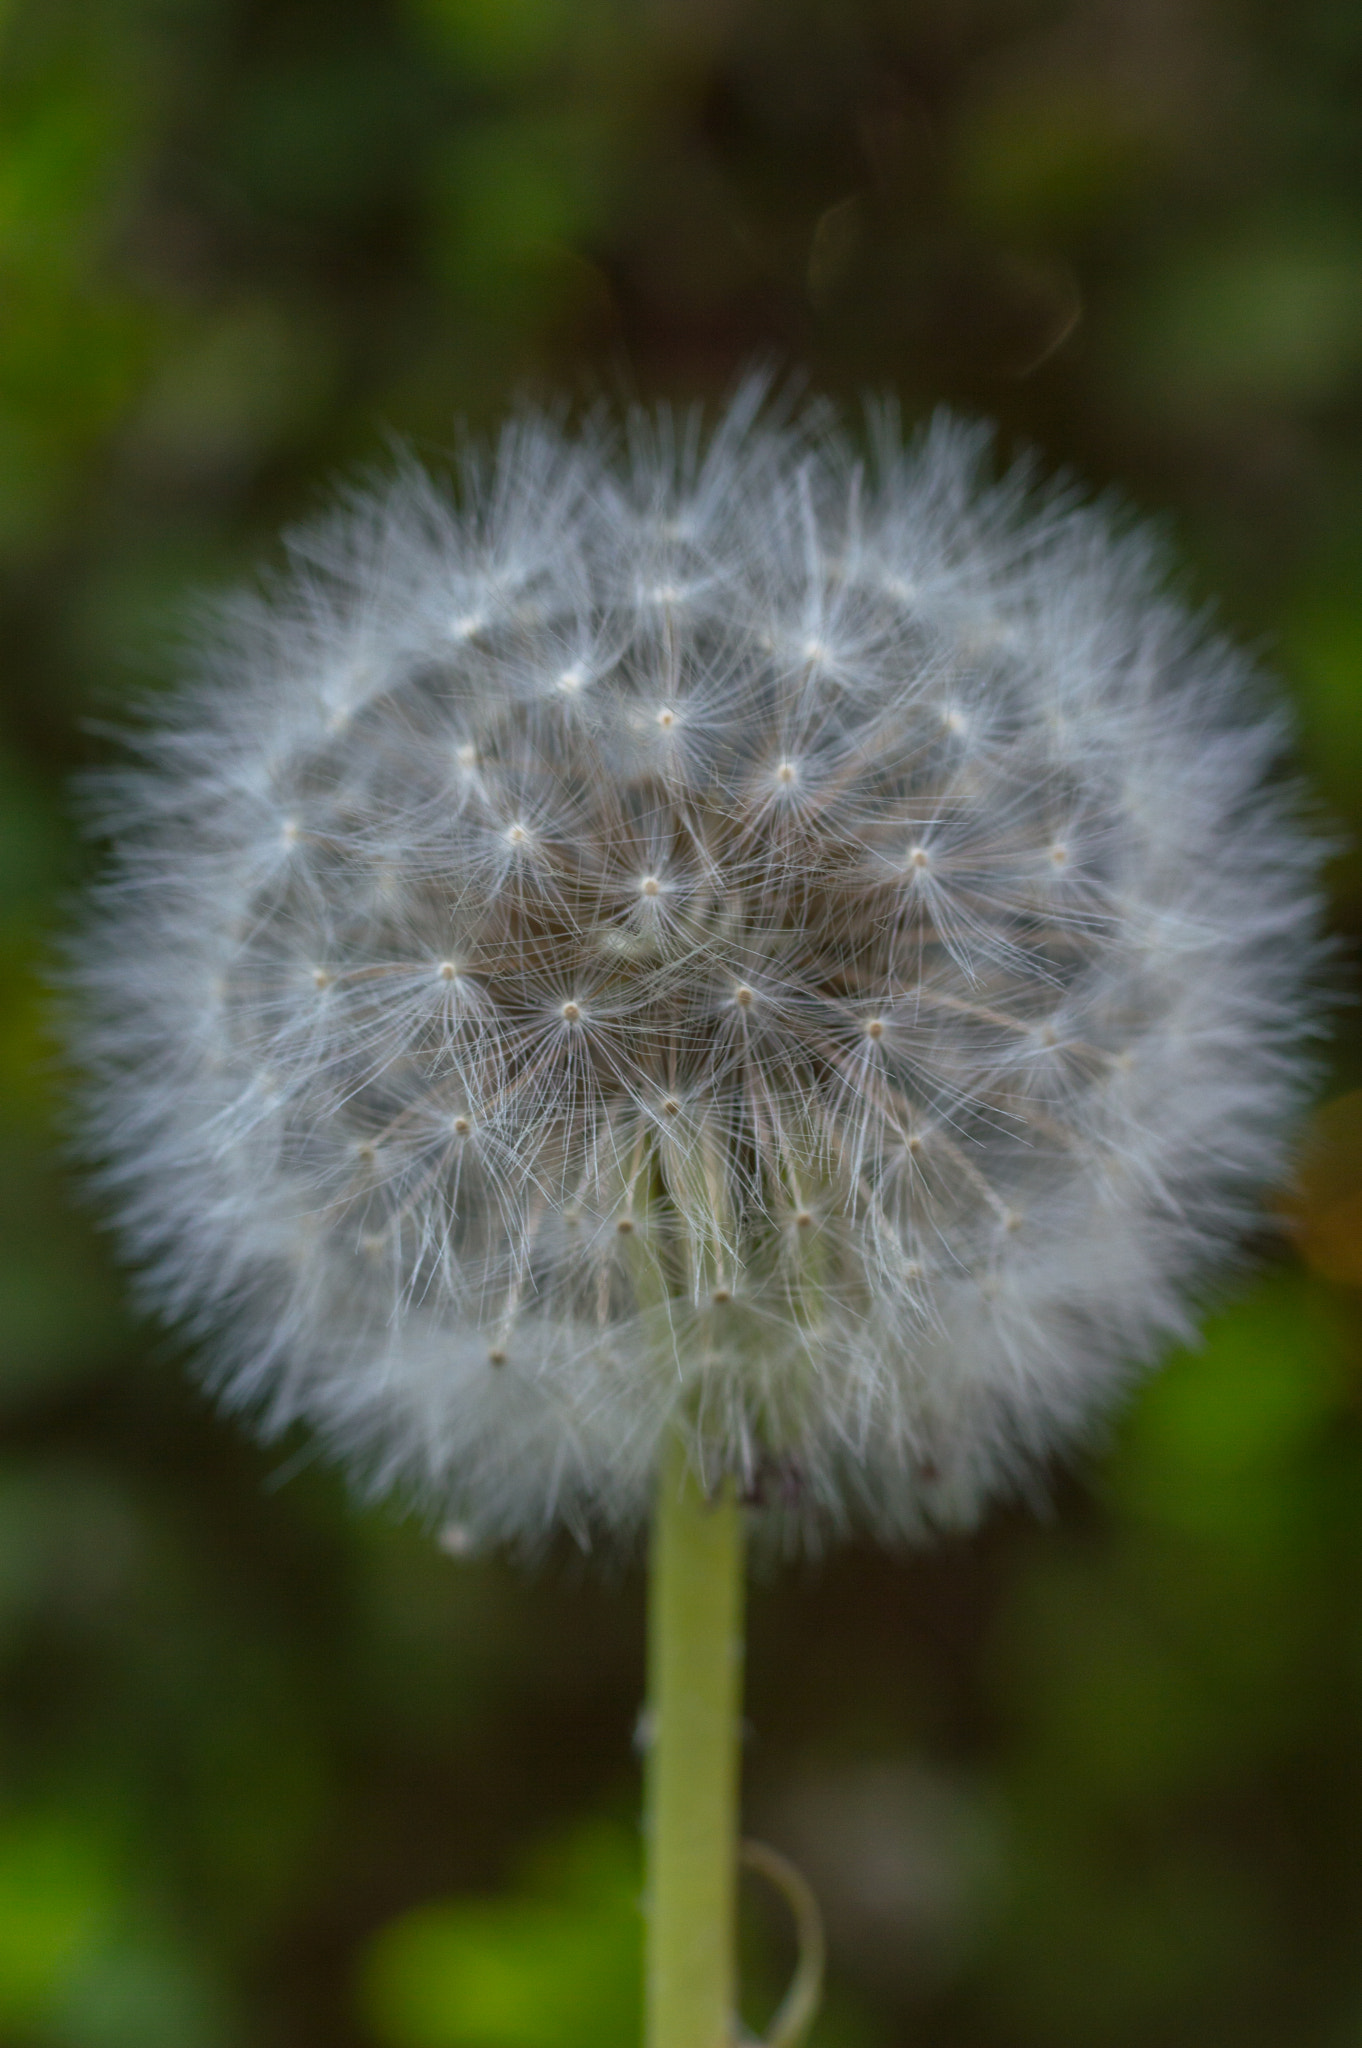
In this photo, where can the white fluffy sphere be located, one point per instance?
(697, 935)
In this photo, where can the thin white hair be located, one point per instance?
(701, 932)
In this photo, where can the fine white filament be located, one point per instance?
(697, 933)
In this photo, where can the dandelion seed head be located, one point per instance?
(852, 1036)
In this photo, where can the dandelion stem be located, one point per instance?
(695, 1656)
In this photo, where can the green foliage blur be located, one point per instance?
(276, 1773)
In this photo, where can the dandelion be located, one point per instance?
(710, 960)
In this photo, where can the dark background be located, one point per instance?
(280, 1773)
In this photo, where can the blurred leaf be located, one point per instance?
(499, 39)
(32, 840)
(1214, 1447)
(61, 1309)
(58, 1902)
(515, 196)
(1322, 649)
(1148, 1952)
(82, 1962)
(139, 1991)
(325, 139)
(1273, 316)
(1051, 158)
(1114, 1714)
(61, 160)
(558, 1965)
(223, 396)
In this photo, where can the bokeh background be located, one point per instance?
(277, 1773)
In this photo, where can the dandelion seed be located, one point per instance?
(948, 1083)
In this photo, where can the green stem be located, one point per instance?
(695, 1653)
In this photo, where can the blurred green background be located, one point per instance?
(278, 1774)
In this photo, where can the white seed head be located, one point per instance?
(862, 1081)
